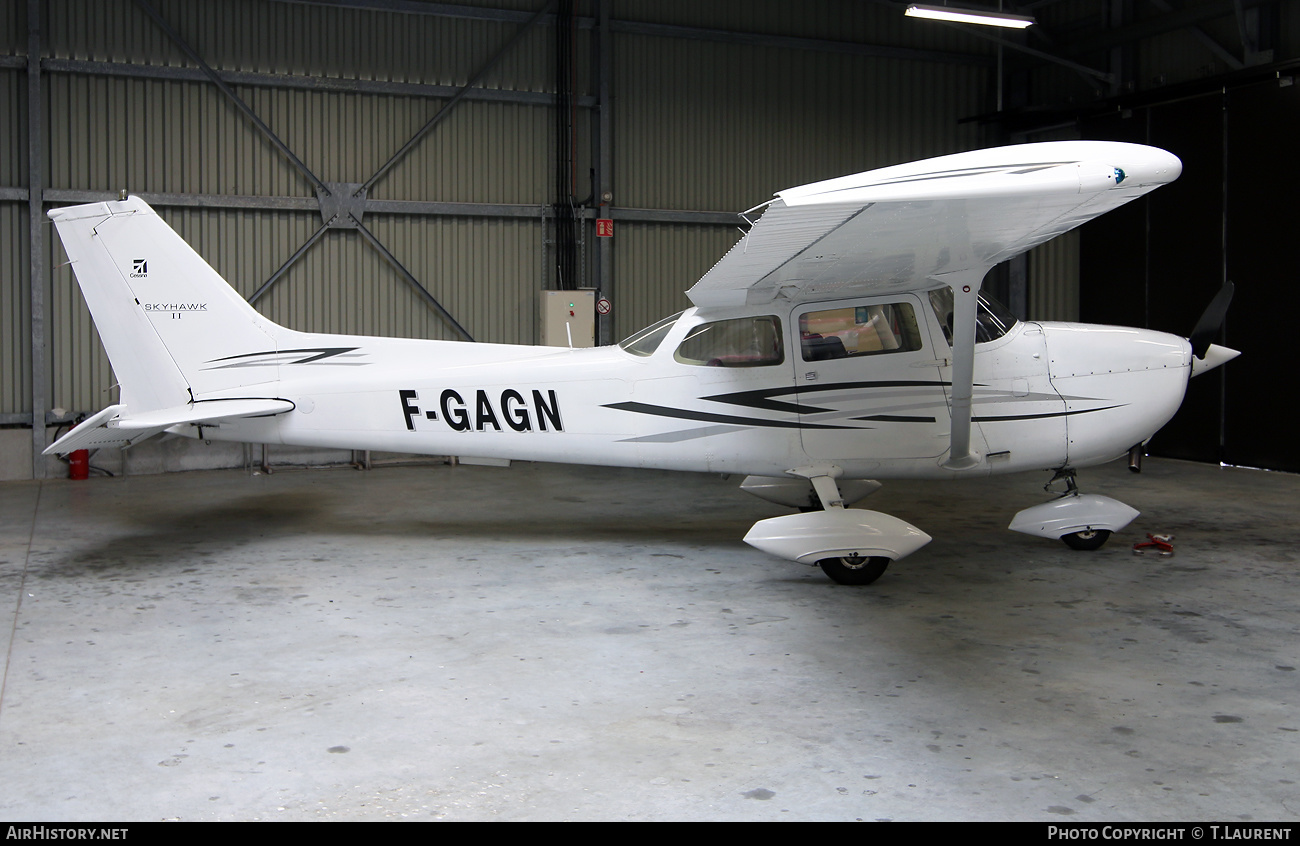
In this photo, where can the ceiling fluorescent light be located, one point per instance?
(972, 16)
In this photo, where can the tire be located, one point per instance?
(854, 571)
(1087, 540)
(814, 504)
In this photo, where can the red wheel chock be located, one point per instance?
(1158, 544)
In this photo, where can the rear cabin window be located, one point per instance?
(859, 330)
(740, 342)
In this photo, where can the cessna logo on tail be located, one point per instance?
(139, 267)
(510, 408)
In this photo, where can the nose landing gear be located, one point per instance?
(1082, 521)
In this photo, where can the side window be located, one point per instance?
(859, 330)
(741, 342)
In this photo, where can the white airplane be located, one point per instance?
(842, 341)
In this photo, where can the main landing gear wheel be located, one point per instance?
(854, 570)
(1086, 540)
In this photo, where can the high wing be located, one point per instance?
(913, 226)
(943, 221)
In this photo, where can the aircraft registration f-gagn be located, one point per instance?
(843, 340)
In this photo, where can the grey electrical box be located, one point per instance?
(568, 318)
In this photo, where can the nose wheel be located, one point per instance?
(1086, 540)
(854, 570)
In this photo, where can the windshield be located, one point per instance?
(992, 320)
(648, 339)
(737, 342)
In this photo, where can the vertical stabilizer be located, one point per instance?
(167, 319)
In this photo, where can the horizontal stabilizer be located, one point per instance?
(93, 433)
(115, 427)
(206, 411)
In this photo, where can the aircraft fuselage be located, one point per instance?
(1047, 395)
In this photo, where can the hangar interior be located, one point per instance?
(240, 644)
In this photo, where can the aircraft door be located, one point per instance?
(867, 380)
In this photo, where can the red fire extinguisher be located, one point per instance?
(79, 464)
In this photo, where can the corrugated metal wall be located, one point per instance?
(710, 126)
(168, 136)
(13, 29)
(15, 305)
(303, 39)
(656, 262)
(1054, 275)
(107, 133)
(720, 127)
(15, 310)
(699, 124)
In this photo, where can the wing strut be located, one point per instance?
(965, 297)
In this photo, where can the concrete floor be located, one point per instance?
(544, 643)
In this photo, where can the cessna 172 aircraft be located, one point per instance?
(842, 341)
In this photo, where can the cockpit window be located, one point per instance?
(740, 342)
(648, 339)
(992, 318)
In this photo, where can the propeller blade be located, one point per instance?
(1207, 328)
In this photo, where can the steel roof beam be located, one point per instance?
(755, 39)
(293, 81)
(426, 208)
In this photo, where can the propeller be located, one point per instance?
(1207, 328)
